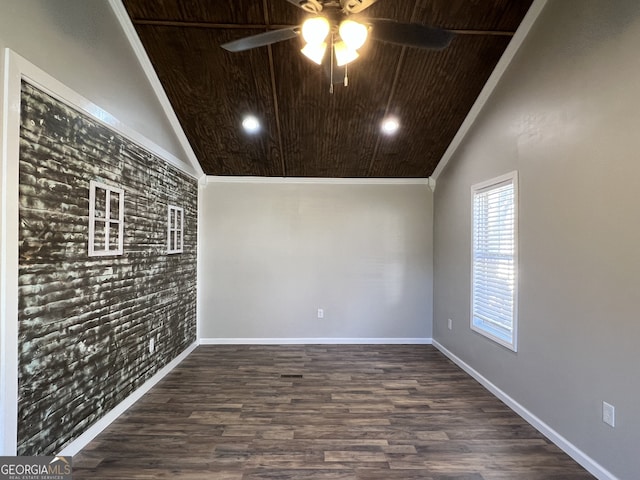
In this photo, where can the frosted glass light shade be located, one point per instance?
(352, 33)
(344, 54)
(315, 30)
(315, 51)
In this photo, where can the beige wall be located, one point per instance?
(272, 254)
(566, 115)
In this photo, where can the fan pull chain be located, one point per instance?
(331, 69)
(346, 76)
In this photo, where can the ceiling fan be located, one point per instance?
(330, 28)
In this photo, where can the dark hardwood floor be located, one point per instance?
(321, 412)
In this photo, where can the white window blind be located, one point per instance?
(494, 257)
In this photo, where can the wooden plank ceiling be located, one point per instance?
(306, 131)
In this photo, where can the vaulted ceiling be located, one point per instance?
(306, 130)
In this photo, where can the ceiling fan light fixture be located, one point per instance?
(315, 51)
(352, 33)
(315, 30)
(344, 54)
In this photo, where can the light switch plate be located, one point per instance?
(609, 414)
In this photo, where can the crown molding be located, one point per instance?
(318, 180)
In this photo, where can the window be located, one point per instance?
(494, 259)
(175, 225)
(106, 219)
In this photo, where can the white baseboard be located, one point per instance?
(92, 432)
(578, 455)
(315, 341)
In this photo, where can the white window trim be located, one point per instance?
(483, 329)
(172, 230)
(93, 185)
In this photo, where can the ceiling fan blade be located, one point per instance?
(261, 39)
(409, 34)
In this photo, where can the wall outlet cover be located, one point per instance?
(609, 414)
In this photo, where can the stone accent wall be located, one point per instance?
(85, 323)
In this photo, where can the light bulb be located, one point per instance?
(354, 34)
(390, 125)
(315, 30)
(250, 124)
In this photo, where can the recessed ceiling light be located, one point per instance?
(250, 124)
(390, 125)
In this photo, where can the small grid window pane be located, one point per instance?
(114, 211)
(100, 204)
(114, 237)
(99, 236)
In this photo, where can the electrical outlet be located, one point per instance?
(609, 414)
(152, 345)
(320, 313)
(449, 324)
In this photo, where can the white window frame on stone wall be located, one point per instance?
(494, 259)
(175, 229)
(101, 221)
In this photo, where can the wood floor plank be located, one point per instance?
(340, 412)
